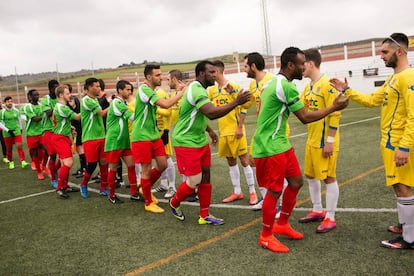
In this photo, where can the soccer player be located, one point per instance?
(117, 144)
(254, 65)
(61, 142)
(396, 98)
(93, 137)
(48, 103)
(146, 141)
(176, 78)
(191, 144)
(3, 145)
(167, 179)
(74, 104)
(232, 135)
(322, 144)
(10, 117)
(34, 130)
(272, 151)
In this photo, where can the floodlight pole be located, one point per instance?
(267, 47)
(57, 72)
(17, 86)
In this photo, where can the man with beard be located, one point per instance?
(272, 152)
(191, 144)
(10, 117)
(396, 98)
(146, 142)
(254, 65)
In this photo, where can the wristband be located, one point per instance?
(330, 139)
(346, 89)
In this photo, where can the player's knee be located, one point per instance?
(194, 180)
(295, 182)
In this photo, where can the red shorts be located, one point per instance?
(113, 156)
(33, 142)
(144, 151)
(47, 141)
(10, 141)
(191, 160)
(94, 150)
(271, 171)
(62, 145)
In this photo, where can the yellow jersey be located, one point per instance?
(256, 88)
(131, 107)
(317, 96)
(175, 109)
(219, 96)
(163, 115)
(396, 96)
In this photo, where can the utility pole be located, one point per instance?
(267, 49)
(17, 86)
(57, 72)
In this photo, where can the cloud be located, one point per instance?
(38, 34)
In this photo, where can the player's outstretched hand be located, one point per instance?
(338, 84)
(243, 97)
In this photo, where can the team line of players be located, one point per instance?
(212, 96)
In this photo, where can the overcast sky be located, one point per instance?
(78, 34)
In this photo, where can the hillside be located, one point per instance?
(41, 79)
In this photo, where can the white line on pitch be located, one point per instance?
(219, 205)
(24, 197)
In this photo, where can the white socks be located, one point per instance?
(170, 172)
(405, 207)
(315, 193)
(262, 190)
(235, 178)
(248, 173)
(332, 195)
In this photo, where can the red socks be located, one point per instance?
(289, 202)
(63, 177)
(268, 214)
(111, 182)
(182, 193)
(204, 197)
(132, 180)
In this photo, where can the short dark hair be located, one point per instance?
(289, 55)
(101, 84)
(89, 82)
(400, 38)
(201, 67)
(149, 67)
(52, 84)
(177, 74)
(69, 87)
(7, 98)
(219, 64)
(256, 59)
(121, 85)
(30, 93)
(313, 55)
